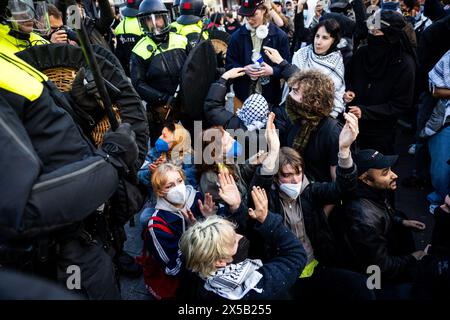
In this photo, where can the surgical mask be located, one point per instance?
(292, 190)
(177, 194)
(161, 145)
(235, 150)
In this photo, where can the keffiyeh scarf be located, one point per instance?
(235, 280)
(254, 112)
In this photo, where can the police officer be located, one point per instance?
(189, 23)
(17, 25)
(156, 63)
(128, 32)
(52, 180)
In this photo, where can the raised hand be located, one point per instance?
(349, 132)
(261, 202)
(189, 217)
(229, 191)
(271, 133)
(209, 207)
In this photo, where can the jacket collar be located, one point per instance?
(367, 192)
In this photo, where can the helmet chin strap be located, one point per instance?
(19, 34)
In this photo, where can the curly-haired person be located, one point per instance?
(305, 125)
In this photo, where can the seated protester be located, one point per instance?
(304, 124)
(301, 206)
(173, 146)
(375, 232)
(252, 115)
(323, 55)
(230, 160)
(210, 247)
(176, 202)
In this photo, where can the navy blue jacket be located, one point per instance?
(239, 54)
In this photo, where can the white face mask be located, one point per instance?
(292, 190)
(177, 194)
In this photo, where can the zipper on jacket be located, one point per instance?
(70, 175)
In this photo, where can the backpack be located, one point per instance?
(158, 283)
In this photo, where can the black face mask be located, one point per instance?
(242, 250)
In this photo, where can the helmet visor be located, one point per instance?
(29, 16)
(155, 23)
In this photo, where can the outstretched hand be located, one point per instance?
(273, 54)
(261, 202)
(229, 191)
(271, 134)
(189, 217)
(349, 132)
(233, 73)
(209, 207)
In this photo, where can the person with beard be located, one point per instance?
(301, 206)
(304, 123)
(177, 206)
(381, 82)
(212, 252)
(375, 232)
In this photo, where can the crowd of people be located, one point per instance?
(286, 189)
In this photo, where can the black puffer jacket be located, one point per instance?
(312, 200)
(368, 223)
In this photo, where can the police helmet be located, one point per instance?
(191, 11)
(154, 19)
(132, 8)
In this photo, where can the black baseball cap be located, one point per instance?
(248, 7)
(372, 159)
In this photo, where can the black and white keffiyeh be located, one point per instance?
(235, 280)
(254, 112)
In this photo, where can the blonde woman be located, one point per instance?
(209, 249)
(173, 146)
(177, 206)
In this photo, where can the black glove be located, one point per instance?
(119, 147)
(81, 95)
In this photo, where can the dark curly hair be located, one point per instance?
(317, 90)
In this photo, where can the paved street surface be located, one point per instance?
(410, 201)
